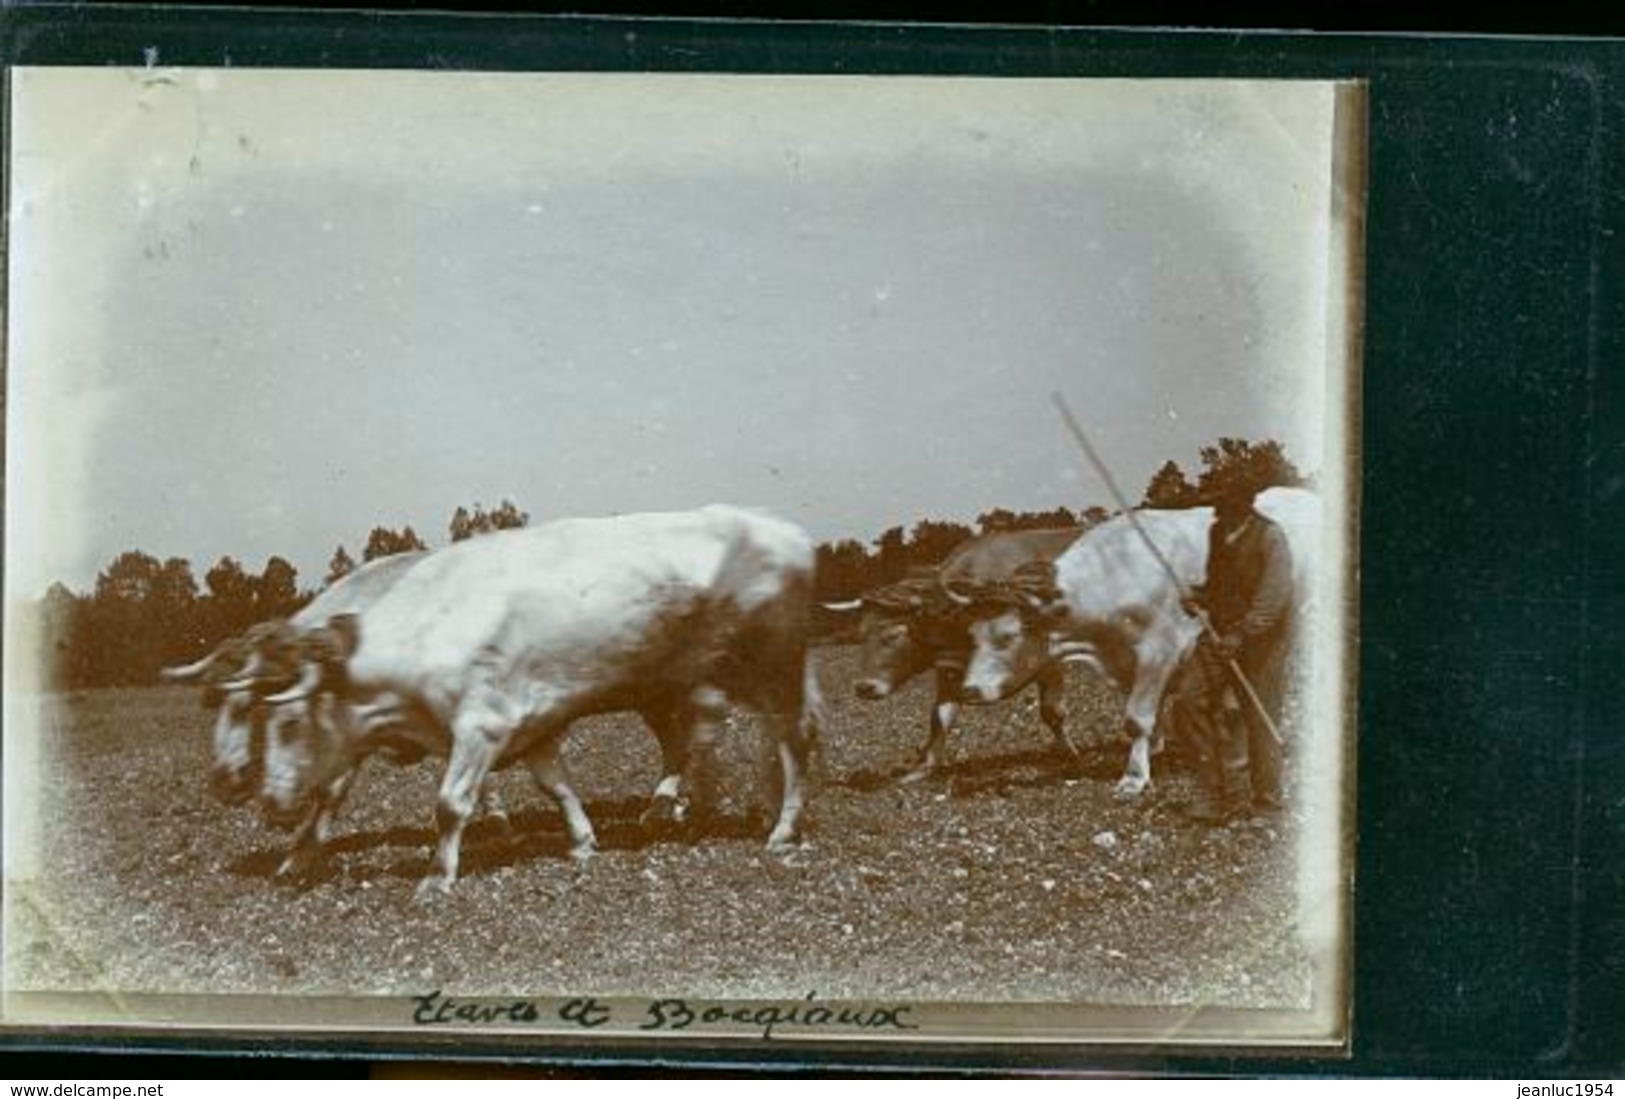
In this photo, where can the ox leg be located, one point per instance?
(547, 766)
(797, 740)
(688, 733)
(1052, 709)
(944, 712)
(306, 854)
(1143, 703)
(668, 803)
(475, 747)
(1137, 775)
(493, 808)
(706, 717)
(791, 797)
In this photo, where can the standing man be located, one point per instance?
(1247, 597)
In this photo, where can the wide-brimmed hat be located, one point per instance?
(1240, 489)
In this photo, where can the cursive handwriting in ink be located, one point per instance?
(807, 1015)
(436, 1009)
(588, 1013)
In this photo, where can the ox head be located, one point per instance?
(228, 676)
(260, 723)
(1010, 623)
(301, 747)
(905, 627)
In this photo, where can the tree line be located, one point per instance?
(143, 614)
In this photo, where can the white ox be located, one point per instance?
(232, 670)
(1110, 601)
(486, 651)
(236, 676)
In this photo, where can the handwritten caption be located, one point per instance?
(805, 1016)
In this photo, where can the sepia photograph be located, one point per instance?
(681, 560)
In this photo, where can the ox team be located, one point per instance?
(1006, 610)
(484, 653)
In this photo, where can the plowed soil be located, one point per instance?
(1015, 876)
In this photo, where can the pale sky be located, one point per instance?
(260, 312)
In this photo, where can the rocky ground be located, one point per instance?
(1016, 877)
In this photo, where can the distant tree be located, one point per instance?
(996, 520)
(141, 614)
(133, 576)
(843, 571)
(932, 540)
(116, 626)
(175, 584)
(61, 624)
(1093, 516)
(1263, 464)
(383, 542)
(341, 565)
(466, 524)
(227, 581)
(175, 611)
(463, 525)
(232, 602)
(507, 516)
(1046, 520)
(277, 589)
(1169, 488)
(891, 559)
(1000, 519)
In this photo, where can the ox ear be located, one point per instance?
(322, 653)
(890, 599)
(1036, 573)
(335, 641)
(1038, 579)
(1035, 585)
(347, 630)
(268, 632)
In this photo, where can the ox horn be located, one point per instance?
(246, 679)
(310, 677)
(188, 672)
